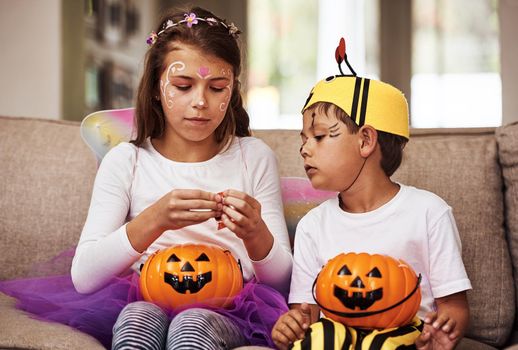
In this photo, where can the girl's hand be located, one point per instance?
(176, 209)
(242, 215)
(180, 208)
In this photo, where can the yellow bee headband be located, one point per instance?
(366, 101)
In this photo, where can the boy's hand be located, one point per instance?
(439, 333)
(291, 326)
(444, 329)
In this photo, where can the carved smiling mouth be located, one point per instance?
(188, 283)
(357, 300)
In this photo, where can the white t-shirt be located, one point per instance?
(132, 178)
(416, 226)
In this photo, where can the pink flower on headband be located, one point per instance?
(151, 39)
(191, 19)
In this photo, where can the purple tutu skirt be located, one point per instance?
(53, 298)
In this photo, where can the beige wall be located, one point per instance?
(30, 59)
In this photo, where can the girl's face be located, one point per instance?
(331, 153)
(195, 91)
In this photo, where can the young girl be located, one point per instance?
(192, 161)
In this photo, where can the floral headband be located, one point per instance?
(191, 19)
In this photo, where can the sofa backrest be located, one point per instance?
(47, 174)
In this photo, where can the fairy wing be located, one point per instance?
(103, 130)
(299, 196)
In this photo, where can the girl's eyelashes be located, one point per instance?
(187, 87)
(217, 89)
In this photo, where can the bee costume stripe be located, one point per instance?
(327, 334)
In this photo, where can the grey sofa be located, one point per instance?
(47, 174)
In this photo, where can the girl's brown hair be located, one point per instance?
(215, 40)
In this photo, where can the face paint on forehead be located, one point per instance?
(168, 94)
(204, 72)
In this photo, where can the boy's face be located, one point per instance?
(331, 153)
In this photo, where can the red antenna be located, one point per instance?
(341, 55)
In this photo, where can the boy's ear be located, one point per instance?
(368, 139)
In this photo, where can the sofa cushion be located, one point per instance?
(46, 180)
(463, 169)
(286, 144)
(507, 138)
(21, 331)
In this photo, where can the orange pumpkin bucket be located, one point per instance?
(191, 273)
(368, 291)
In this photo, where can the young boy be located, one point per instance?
(354, 132)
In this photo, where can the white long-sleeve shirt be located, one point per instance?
(132, 178)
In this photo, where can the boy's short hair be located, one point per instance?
(391, 145)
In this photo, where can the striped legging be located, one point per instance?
(143, 325)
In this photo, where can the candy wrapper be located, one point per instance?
(219, 220)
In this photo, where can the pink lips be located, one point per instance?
(198, 121)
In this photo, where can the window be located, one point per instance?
(291, 46)
(454, 54)
(455, 64)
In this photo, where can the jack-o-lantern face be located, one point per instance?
(191, 273)
(191, 282)
(368, 291)
(358, 296)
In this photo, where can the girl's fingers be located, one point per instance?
(234, 215)
(193, 194)
(231, 225)
(193, 217)
(239, 199)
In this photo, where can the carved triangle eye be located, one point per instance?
(374, 273)
(202, 257)
(173, 258)
(344, 271)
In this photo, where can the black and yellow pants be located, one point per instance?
(327, 334)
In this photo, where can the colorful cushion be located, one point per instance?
(299, 197)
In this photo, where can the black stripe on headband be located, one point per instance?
(365, 97)
(356, 96)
